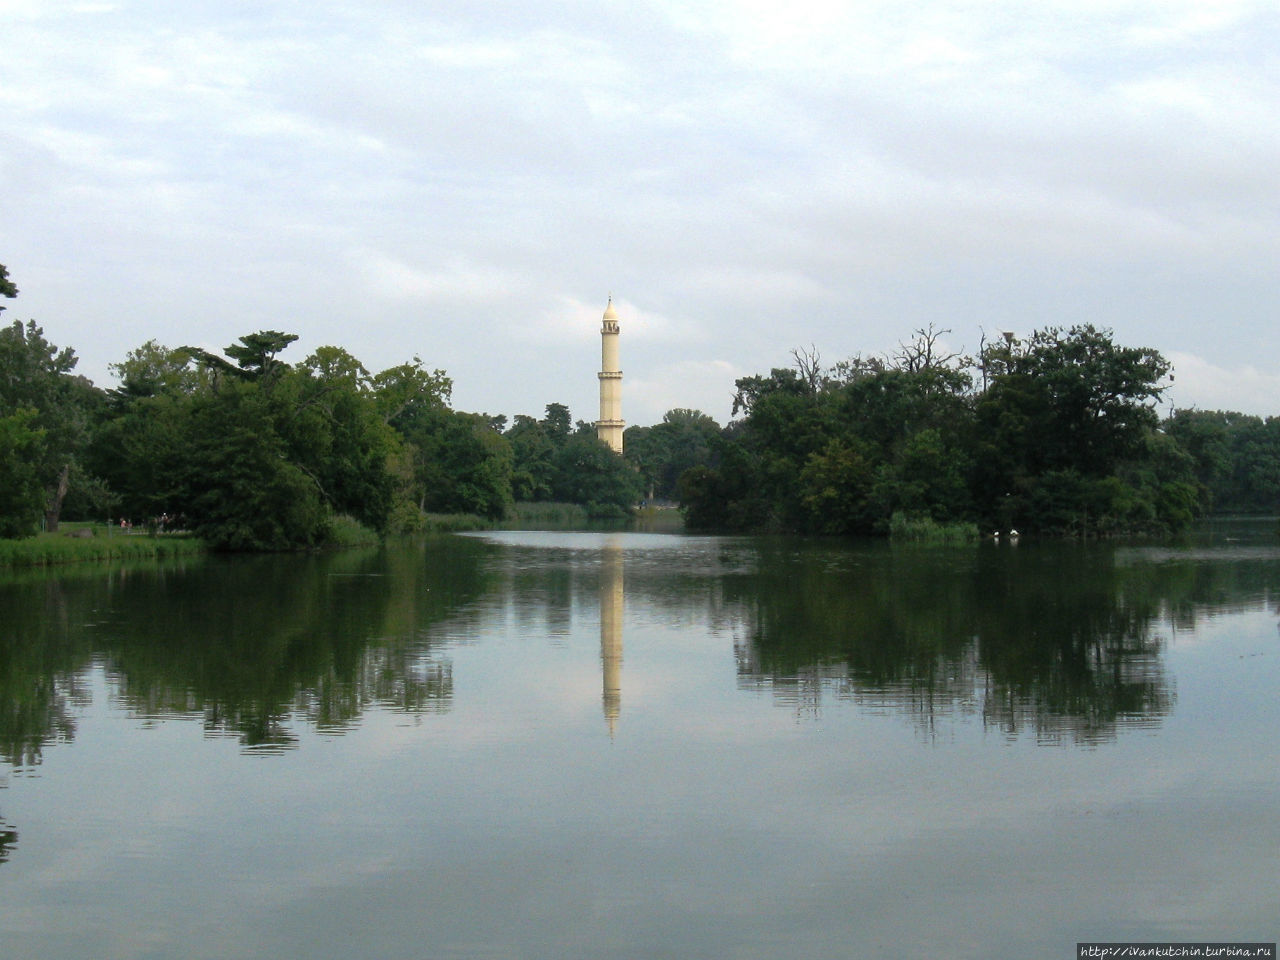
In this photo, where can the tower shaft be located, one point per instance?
(610, 425)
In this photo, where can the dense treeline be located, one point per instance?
(1236, 457)
(1054, 434)
(251, 452)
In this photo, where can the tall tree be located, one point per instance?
(21, 492)
(37, 376)
(665, 450)
(590, 473)
(258, 454)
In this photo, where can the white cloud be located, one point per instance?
(388, 277)
(745, 176)
(1207, 386)
(705, 385)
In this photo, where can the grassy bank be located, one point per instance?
(72, 546)
(88, 542)
(346, 531)
(905, 529)
(454, 522)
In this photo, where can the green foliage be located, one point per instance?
(37, 376)
(21, 493)
(1235, 457)
(455, 522)
(237, 483)
(550, 460)
(7, 288)
(49, 549)
(347, 531)
(589, 473)
(922, 529)
(152, 370)
(1061, 437)
(401, 392)
(532, 448)
(836, 488)
(258, 455)
(254, 355)
(1062, 406)
(459, 463)
(557, 423)
(666, 450)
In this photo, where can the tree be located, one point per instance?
(153, 369)
(254, 355)
(666, 450)
(256, 455)
(836, 486)
(589, 473)
(1095, 400)
(402, 390)
(533, 472)
(1064, 408)
(336, 435)
(21, 492)
(460, 463)
(36, 375)
(1235, 457)
(7, 289)
(1062, 436)
(557, 423)
(237, 482)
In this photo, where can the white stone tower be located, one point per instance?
(609, 426)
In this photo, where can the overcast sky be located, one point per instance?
(470, 181)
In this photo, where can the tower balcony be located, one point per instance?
(610, 374)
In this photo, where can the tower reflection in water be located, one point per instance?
(611, 611)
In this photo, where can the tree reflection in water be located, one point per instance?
(1058, 640)
(1061, 641)
(248, 645)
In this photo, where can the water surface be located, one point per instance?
(642, 745)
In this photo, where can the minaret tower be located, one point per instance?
(609, 426)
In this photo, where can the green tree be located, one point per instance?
(336, 434)
(589, 473)
(1061, 437)
(154, 369)
(401, 391)
(1063, 410)
(7, 288)
(21, 492)
(237, 482)
(256, 455)
(1236, 457)
(557, 423)
(460, 463)
(665, 450)
(142, 452)
(533, 470)
(255, 356)
(836, 485)
(36, 375)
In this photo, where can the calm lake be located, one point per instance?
(634, 745)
